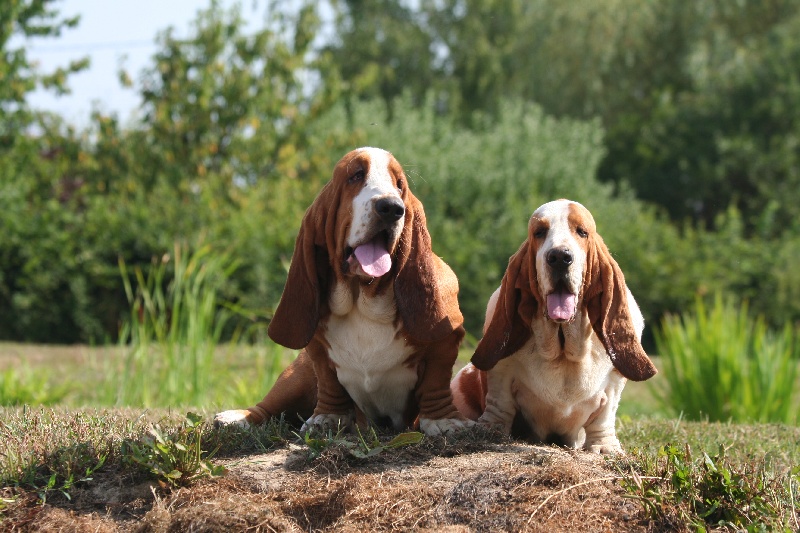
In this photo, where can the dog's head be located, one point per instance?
(562, 268)
(365, 226)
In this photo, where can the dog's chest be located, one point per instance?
(563, 368)
(370, 354)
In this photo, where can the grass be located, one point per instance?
(722, 364)
(684, 475)
(82, 376)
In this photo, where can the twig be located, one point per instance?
(791, 498)
(610, 478)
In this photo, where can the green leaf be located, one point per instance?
(405, 439)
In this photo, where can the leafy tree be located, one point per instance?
(380, 50)
(20, 20)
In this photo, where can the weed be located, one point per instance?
(233, 439)
(710, 491)
(176, 459)
(317, 442)
(722, 365)
(367, 448)
(362, 447)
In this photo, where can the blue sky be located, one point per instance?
(111, 31)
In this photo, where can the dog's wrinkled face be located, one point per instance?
(560, 232)
(373, 187)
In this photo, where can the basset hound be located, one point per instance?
(373, 308)
(562, 336)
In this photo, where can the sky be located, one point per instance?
(111, 31)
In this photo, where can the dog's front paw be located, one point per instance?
(608, 445)
(234, 417)
(441, 426)
(495, 424)
(326, 422)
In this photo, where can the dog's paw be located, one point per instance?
(328, 422)
(234, 417)
(442, 426)
(609, 445)
(500, 426)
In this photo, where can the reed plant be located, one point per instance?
(721, 364)
(175, 326)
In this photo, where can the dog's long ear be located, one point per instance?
(425, 289)
(510, 326)
(298, 313)
(609, 314)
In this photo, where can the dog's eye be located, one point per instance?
(582, 233)
(540, 233)
(400, 185)
(356, 177)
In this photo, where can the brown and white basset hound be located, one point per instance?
(562, 336)
(374, 309)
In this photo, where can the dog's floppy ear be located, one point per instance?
(425, 290)
(510, 325)
(298, 313)
(609, 314)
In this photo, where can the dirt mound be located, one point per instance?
(505, 487)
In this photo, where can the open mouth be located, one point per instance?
(372, 256)
(561, 303)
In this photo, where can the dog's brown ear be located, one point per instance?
(425, 289)
(607, 303)
(298, 313)
(509, 327)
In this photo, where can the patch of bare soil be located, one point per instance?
(436, 486)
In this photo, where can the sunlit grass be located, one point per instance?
(721, 364)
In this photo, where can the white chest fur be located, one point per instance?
(369, 354)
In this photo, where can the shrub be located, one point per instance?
(721, 364)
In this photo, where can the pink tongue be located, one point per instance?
(374, 258)
(560, 305)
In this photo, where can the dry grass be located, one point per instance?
(478, 481)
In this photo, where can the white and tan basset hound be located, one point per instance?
(562, 335)
(374, 308)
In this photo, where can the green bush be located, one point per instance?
(721, 364)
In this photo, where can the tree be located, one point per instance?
(19, 20)
(381, 49)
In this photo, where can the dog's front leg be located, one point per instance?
(334, 410)
(500, 405)
(437, 413)
(601, 433)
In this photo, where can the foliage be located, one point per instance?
(175, 458)
(24, 386)
(723, 365)
(23, 20)
(675, 488)
(682, 106)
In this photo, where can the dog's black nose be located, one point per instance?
(390, 209)
(559, 258)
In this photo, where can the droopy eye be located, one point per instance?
(582, 233)
(540, 233)
(356, 177)
(400, 184)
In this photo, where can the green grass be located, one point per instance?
(721, 364)
(82, 376)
